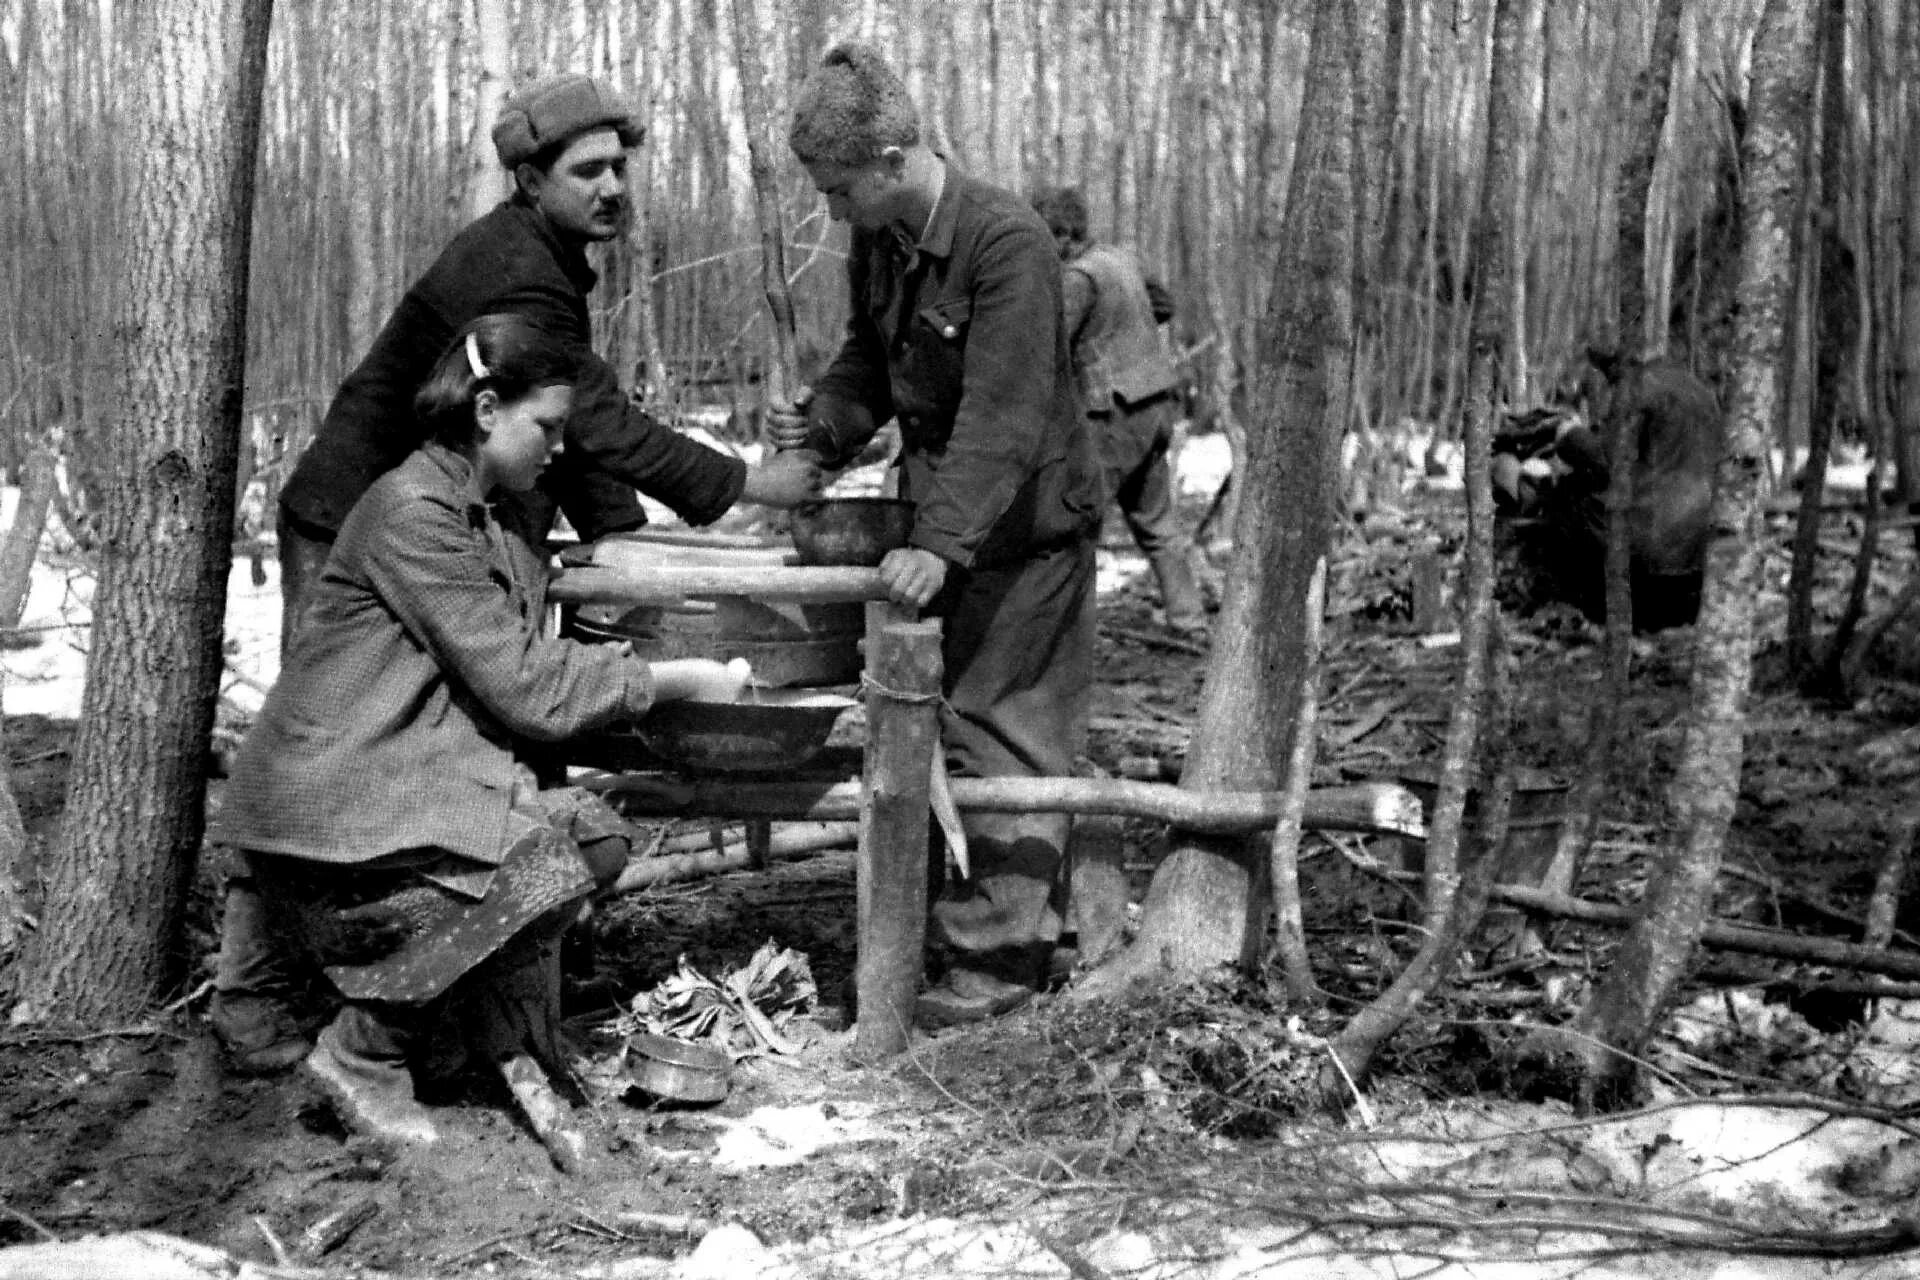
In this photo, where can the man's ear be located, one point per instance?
(529, 178)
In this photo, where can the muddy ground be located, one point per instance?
(1127, 1111)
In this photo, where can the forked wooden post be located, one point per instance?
(903, 731)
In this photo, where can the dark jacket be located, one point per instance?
(960, 338)
(507, 261)
(421, 670)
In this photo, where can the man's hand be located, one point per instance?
(913, 576)
(787, 423)
(786, 479)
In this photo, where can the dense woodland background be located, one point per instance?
(1178, 118)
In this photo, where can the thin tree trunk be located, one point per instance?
(22, 542)
(1450, 915)
(756, 96)
(1208, 900)
(117, 879)
(487, 184)
(1637, 326)
(1833, 315)
(1636, 988)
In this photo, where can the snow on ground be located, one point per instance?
(47, 678)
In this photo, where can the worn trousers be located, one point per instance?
(1134, 447)
(1018, 647)
(251, 960)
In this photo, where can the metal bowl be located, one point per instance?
(677, 1070)
(850, 530)
(771, 729)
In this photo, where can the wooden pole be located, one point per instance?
(1381, 808)
(750, 27)
(675, 584)
(903, 732)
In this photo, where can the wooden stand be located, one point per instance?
(903, 732)
(891, 801)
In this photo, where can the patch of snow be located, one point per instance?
(775, 1137)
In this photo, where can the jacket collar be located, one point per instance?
(571, 257)
(460, 476)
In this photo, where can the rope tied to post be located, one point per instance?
(869, 685)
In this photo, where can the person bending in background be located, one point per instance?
(383, 801)
(1132, 394)
(955, 333)
(1674, 431)
(565, 139)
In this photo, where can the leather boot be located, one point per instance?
(1179, 590)
(371, 1095)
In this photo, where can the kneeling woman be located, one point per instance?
(383, 800)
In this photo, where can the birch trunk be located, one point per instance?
(1636, 988)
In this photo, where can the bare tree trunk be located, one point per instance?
(22, 542)
(117, 878)
(1641, 334)
(1449, 915)
(1207, 903)
(1624, 1008)
(1834, 316)
(487, 183)
(13, 857)
(756, 96)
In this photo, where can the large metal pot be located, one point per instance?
(786, 644)
(770, 729)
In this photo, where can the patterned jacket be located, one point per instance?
(399, 718)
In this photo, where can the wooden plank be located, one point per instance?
(675, 584)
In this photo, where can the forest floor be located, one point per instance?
(1166, 1134)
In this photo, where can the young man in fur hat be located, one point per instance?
(956, 334)
(565, 139)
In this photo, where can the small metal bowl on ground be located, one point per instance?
(677, 1071)
(857, 531)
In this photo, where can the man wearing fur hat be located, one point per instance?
(956, 334)
(565, 139)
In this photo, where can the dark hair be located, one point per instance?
(1064, 209)
(851, 109)
(509, 354)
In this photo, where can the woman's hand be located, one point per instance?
(700, 679)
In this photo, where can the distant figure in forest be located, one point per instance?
(565, 139)
(1131, 388)
(1558, 522)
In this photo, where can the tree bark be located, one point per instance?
(1624, 1008)
(487, 184)
(1207, 903)
(118, 876)
(1834, 316)
(1642, 334)
(1449, 913)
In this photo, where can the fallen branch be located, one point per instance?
(1719, 933)
(1380, 807)
(734, 855)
